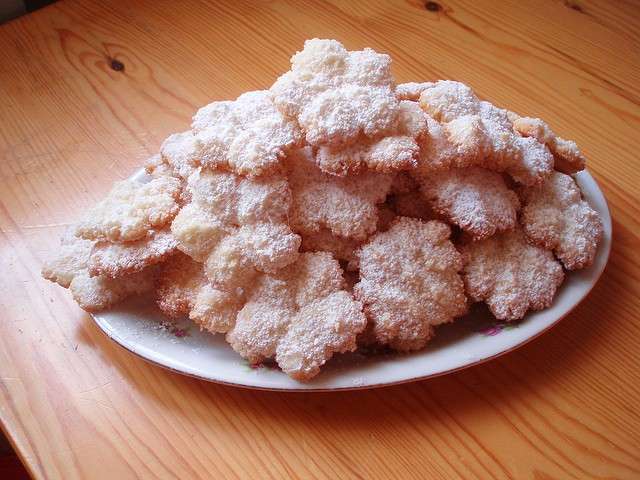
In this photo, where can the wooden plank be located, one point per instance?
(78, 406)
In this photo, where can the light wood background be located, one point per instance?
(77, 406)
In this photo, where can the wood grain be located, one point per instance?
(72, 121)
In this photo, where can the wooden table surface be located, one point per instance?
(89, 89)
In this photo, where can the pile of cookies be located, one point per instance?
(339, 209)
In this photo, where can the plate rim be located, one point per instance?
(604, 251)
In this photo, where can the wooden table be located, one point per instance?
(89, 89)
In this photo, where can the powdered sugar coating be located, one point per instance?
(248, 136)
(178, 282)
(556, 217)
(156, 166)
(182, 289)
(263, 320)
(409, 282)
(98, 293)
(397, 150)
(131, 209)
(344, 205)
(69, 268)
(236, 226)
(411, 90)
(335, 95)
(269, 246)
(485, 133)
(198, 231)
(342, 114)
(215, 310)
(261, 247)
(239, 200)
(412, 121)
(180, 152)
(440, 152)
(227, 267)
(319, 329)
(510, 275)
(567, 155)
(117, 259)
(475, 199)
(384, 155)
(299, 316)
(70, 259)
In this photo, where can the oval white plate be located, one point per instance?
(137, 326)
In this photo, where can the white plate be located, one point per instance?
(137, 326)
